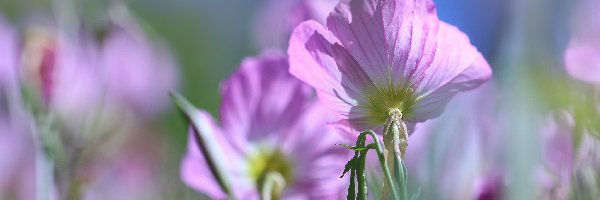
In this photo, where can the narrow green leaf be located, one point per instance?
(348, 166)
(204, 141)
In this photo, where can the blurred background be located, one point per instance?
(203, 41)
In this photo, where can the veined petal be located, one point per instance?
(262, 100)
(394, 41)
(359, 27)
(317, 58)
(457, 66)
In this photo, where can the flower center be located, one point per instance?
(379, 100)
(270, 161)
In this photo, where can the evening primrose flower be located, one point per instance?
(386, 55)
(272, 128)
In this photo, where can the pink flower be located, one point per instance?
(582, 57)
(270, 123)
(377, 55)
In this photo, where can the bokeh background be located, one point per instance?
(209, 38)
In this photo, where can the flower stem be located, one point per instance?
(382, 162)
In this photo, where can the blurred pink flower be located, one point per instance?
(270, 122)
(567, 168)
(8, 58)
(86, 81)
(277, 18)
(378, 55)
(77, 92)
(582, 57)
(17, 158)
(557, 156)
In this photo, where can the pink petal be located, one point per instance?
(457, 66)
(262, 100)
(582, 57)
(388, 38)
(582, 60)
(317, 58)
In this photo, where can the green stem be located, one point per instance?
(362, 176)
(382, 162)
(351, 189)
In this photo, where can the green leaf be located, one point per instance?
(204, 141)
(357, 148)
(349, 165)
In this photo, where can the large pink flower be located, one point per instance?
(270, 122)
(378, 55)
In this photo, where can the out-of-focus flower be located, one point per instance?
(557, 155)
(8, 60)
(270, 124)
(17, 159)
(277, 18)
(138, 74)
(90, 91)
(458, 155)
(582, 57)
(63, 71)
(567, 170)
(388, 54)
